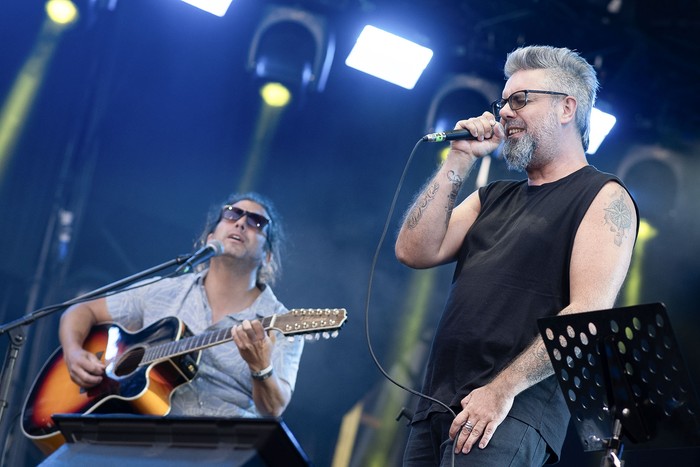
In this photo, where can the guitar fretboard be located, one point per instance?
(193, 343)
(183, 346)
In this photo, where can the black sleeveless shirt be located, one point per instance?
(512, 268)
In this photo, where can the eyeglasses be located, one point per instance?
(518, 100)
(252, 219)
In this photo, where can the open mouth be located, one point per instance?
(514, 131)
(236, 237)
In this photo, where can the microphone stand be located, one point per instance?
(16, 331)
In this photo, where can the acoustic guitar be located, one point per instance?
(142, 369)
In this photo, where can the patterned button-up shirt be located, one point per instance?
(223, 385)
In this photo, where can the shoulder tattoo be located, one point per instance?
(618, 216)
(417, 211)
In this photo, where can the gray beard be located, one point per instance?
(518, 152)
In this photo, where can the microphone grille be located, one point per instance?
(217, 246)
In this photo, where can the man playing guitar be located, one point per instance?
(254, 379)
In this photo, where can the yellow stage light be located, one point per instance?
(275, 94)
(646, 231)
(62, 12)
(14, 111)
(633, 283)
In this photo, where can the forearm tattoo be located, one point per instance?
(456, 182)
(537, 367)
(618, 216)
(541, 352)
(417, 212)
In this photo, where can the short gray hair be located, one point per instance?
(568, 72)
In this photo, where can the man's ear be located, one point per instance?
(569, 106)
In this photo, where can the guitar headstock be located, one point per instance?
(323, 322)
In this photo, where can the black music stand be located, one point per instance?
(623, 376)
(143, 440)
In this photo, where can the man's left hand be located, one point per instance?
(482, 411)
(254, 344)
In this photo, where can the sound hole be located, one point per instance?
(129, 361)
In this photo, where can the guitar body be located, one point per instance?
(127, 386)
(142, 369)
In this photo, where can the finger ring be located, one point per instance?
(468, 427)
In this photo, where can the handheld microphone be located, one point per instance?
(447, 136)
(208, 251)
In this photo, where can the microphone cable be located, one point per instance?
(373, 266)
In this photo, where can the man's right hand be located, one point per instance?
(489, 133)
(85, 369)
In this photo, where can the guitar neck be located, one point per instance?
(297, 321)
(193, 343)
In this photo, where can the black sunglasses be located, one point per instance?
(518, 100)
(252, 219)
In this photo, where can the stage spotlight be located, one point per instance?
(601, 124)
(275, 95)
(292, 47)
(389, 57)
(215, 7)
(62, 12)
(14, 111)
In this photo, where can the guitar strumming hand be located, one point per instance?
(85, 368)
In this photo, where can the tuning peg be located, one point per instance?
(326, 335)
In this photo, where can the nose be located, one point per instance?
(506, 111)
(241, 222)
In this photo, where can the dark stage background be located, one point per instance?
(146, 116)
